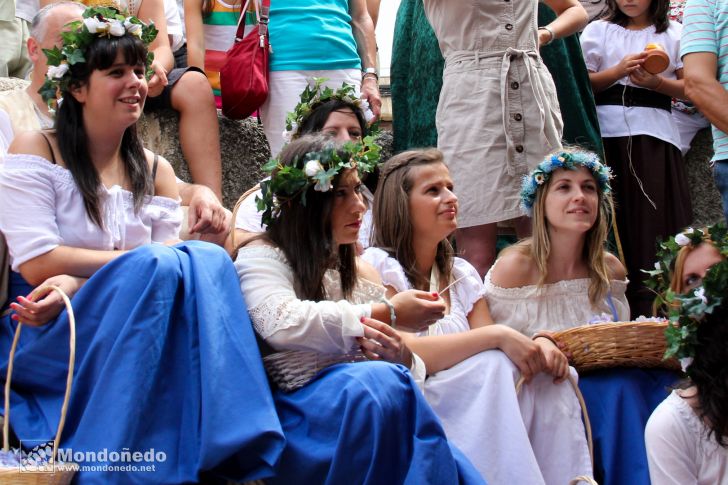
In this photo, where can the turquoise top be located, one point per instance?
(312, 35)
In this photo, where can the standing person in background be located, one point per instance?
(496, 92)
(15, 17)
(641, 140)
(331, 39)
(704, 50)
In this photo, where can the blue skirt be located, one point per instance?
(166, 360)
(619, 402)
(365, 423)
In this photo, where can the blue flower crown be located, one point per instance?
(566, 160)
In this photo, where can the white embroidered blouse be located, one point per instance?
(552, 307)
(41, 208)
(463, 294)
(679, 451)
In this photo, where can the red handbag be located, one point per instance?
(244, 76)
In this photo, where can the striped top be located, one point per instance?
(705, 29)
(219, 29)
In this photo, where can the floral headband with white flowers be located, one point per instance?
(566, 160)
(288, 183)
(660, 277)
(97, 22)
(313, 96)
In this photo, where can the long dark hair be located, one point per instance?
(657, 11)
(709, 372)
(72, 138)
(392, 218)
(320, 114)
(303, 232)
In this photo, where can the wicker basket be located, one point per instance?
(620, 344)
(59, 473)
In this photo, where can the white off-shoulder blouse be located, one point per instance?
(41, 208)
(552, 307)
(464, 294)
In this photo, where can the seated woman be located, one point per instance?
(563, 277)
(317, 309)
(164, 347)
(534, 437)
(687, 435)
(333, 112)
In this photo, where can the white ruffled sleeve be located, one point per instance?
(388, 268)
(592, 40)
(27, 208)
(166, 218)
(248, 217)
(470, 289)
(283, 320)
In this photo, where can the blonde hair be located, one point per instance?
(538, 246)
(678, 271)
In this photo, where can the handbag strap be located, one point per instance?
(262, 12)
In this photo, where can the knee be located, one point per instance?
(192, 89)
(381, 387)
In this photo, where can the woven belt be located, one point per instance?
(622, 95)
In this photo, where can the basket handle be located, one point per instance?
(236, 208)
(69, 379)
(585, 414)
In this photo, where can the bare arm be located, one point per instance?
(66, 260)
(363, 30)
(704, 89)
(195, 33)
(571, 18)
(675, 88)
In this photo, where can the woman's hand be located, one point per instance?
(370, 92)
(158, 80)
(416, 310)
(555, 360)
(382, 342)
(49, 304)
(523, 352)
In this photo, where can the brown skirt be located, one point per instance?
(659, 166)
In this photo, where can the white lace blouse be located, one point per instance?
(553, 307)
(679, 451)
(41, 208)
(463, 294)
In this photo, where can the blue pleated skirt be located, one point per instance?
(166, 360)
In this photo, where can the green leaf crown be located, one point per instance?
(79, 35)
(289, 183)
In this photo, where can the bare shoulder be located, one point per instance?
(367, 271)
(34, 143)
(514, 269)
(165, 181)
(615, 267)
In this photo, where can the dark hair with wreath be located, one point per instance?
(73, 141)
(709, 372)
(657, 12)
(393, 221)
(319, 116)
(301, 227)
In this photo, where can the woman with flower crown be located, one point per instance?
(563, 277)
(164, 347)
(687, 435)
(473, 364)
(319, 310)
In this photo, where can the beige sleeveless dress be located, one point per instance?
(498, 114)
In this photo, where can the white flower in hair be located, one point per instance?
(133, 29)
(682, 240)
(323, 185)
(700, 293)
(689, 230)
(57, 72)
(117, 28)
(312, 168)
(686, 362)
(93, 24)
